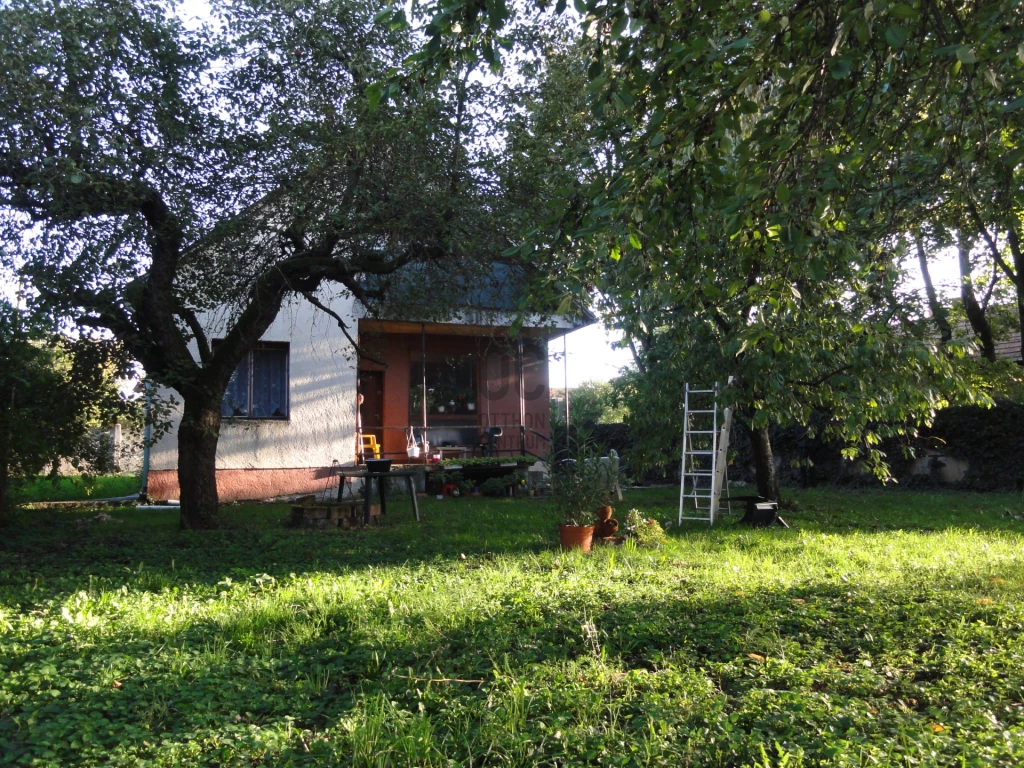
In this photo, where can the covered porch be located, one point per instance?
(466, 389)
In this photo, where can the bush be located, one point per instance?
(496, 486)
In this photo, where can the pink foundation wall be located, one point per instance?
(245, 484)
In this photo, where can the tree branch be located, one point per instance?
(344, 328)
(993, 246)
(939, 314)
(198, 333)
(819, 381)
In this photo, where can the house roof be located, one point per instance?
(495, 290)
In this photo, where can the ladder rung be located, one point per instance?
(698, 474)
(700, 391)
(700, 431)
(702, 453)
(691, 411)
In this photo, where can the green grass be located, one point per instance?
(882, 629)
(76, 488)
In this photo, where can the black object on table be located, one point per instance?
(347, 473)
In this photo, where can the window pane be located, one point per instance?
(236, 398)
(269, 384)
(451, 386)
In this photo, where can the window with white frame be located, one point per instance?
(259, 386)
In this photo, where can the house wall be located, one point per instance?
(258, 459)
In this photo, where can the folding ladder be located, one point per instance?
(705, 454)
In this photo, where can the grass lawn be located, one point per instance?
(882, 629)
(76, 488)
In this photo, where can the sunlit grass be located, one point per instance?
(883, 628)
(74, 488)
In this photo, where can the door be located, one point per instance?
(371, 412)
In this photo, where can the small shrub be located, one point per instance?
(646, 531)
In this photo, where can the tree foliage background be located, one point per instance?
(55, 391)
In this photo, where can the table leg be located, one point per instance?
(412, 495)
(367, 492)
(382, 489)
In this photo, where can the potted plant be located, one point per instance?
(576, 491)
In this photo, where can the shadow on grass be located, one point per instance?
(761, 664)
(60, 552)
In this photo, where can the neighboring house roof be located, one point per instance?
(1009, 348)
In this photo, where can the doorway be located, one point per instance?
(371, 412)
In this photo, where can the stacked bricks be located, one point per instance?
(332, 514)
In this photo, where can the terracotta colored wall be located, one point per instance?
(502, 396)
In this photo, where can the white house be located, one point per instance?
(291, 408)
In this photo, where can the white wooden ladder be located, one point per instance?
(706, 429)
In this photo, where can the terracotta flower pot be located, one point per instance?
(605, 513)
(576, 536)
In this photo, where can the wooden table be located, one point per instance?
(347, 473)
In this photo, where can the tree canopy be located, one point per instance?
(759, 171)
(152, 169)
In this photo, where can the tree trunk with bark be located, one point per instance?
(5, 487)
(197, 463)
(939, 313)
(975, 312)
(7, 404)
(764, 464)
(1018, 282)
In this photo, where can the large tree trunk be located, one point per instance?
(764, 464)
(975, 312)
(6, 412)
(5, 488)
(1018, 267)
(197, 463)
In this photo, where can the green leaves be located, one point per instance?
(840, 68)
(896, 35)
(1014, 105)
(966, 55)
(373, 94)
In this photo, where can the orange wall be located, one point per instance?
(497, 387)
